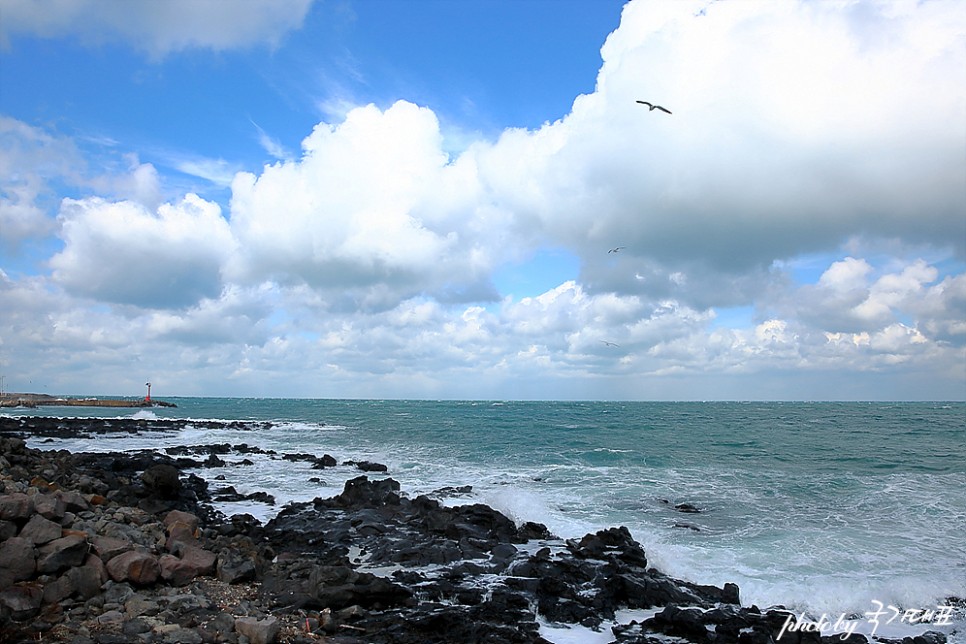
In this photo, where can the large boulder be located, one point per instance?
(40, 530)
(234, 567)
(22, 601)
(49, 506)
(73, 500)
(194, 561)
(610, 545)
(18, 560)
(16, 507)
(62, 553)
(139, 568)
(86, 580)
(337, 587)
(162, 481)
(109, 547)
(182, 530)
(176, 518)
(362, 493)
(59, 589)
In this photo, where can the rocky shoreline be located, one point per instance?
(128, 547)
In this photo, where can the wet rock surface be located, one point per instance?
(128, 548)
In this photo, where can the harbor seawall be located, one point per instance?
(38, 400)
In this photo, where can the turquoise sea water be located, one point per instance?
(823, 507)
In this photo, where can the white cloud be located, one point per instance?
(140, 183)
(848, 298)
(217, 171)
(120, 252)
(272, 145)
(157, 28)
(792, 130)
(846, 275)
(942, 311)
(372, 211)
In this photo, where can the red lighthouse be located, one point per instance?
(148, 397)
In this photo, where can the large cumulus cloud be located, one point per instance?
(373, 211)
(795, 126)
(120, 252)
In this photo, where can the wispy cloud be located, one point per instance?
(271, 145)
(217, 171)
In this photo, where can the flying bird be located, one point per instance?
(617, 249)
(610, 344)
(653, 107)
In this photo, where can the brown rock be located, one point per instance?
(49, 506)
(176, 517)
(137, 567)
(62, 553)
(194, 561)
(200, 558)
(108, 547)
(67, 532)
(40, 483)
(15, 506)
(179, 534)
(40, 530)
(175, 571)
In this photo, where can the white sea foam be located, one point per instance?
(577, 634)
(573, 633)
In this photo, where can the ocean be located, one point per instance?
(825, 508)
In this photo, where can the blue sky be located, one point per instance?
(416, 198)
(482, 65)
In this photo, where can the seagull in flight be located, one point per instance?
(654, 107)
(610, 344)
(617, 249)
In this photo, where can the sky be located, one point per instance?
(434, 199)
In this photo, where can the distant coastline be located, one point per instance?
(38, 400)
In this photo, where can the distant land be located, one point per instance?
(38, 400)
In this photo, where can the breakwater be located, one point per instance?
(38, 400)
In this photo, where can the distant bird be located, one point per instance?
(654, 107)
(617, 249)
(610, 344)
